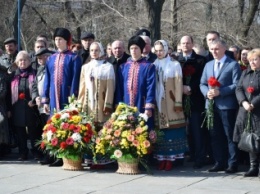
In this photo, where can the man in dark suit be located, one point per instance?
(227, 72)
(86, 39)
(190, 61)
(211, 36)
(119, 55)
(147, 54)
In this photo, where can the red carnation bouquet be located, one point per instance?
(249, 90)
(188, 71)
(213, 83)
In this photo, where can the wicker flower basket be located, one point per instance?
(129, 166)
(73, 165)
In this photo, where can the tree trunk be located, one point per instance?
(253, 7)
(154, 12)
(14, 17)
(72, 18)
(241, 6)
(209, 8)
(174, 29)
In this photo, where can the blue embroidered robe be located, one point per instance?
(61, 79)
(136, 86)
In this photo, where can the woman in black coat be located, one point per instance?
(249, 102)
(25, 115)
(4, 132)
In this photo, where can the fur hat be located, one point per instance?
(137, 40)
(64, 33)
(143, 32)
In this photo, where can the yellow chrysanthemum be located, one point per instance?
(76, 119)
(83, 127)
(53, 119)
(142, 123)
(124, 134)
(124, 143)
(135, 109)
(144, 150)
(75, 145)
(145, 128)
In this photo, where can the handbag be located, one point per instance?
(249, 142)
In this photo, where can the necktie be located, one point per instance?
(217, 69)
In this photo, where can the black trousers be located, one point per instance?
(33, 133)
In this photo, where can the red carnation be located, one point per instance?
(89, 133)
(77, 129)
(53, 129)
(57, 116)
(188, 70)
(250, 89)
(54, 141)
(49, 127)
(86, 139)
(88, 126)
(69, 141)
(42, 145)
(63, 145)
(65, 126)
(22, 96)
(74, 112)
(213, 82)
(72, 127)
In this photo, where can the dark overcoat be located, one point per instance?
(249, 78)
(22, 114)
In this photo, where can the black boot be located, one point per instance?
(47, 159)
(253, 171)
(58, 162)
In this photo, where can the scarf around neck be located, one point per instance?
(21, 73)
(165, 68)
(98, 70)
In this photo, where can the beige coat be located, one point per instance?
(96, 90)
(170, 114)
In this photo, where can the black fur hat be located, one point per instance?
(137, 40)
(64, 33)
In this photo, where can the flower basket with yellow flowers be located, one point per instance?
(125, 138)
(68, 134)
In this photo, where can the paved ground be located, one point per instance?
(32, 178)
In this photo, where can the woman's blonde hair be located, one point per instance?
(252, 53)
(22, 55)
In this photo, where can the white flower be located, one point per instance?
(73, 107)
(122, 117)
(65, 116)
(49, 135)
(114, 116)
(76, 137)
(144, 116)
(118, 153)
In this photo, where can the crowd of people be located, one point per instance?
(171, 88)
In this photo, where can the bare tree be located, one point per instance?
(247, 21)
(154, 12)
(13, 19)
